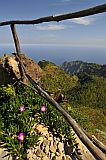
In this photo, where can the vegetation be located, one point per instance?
(85, 94)
(20, 109)
(80, 67)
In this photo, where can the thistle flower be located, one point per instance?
(43, 108)
(21, 137)
(22, 108)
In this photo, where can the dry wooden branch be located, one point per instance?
(98, 154)
(83, 13)
(18, 51)
(16, 39)
(95, 141)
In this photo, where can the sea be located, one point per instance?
(59, 53)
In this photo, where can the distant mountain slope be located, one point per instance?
(84, 91)
(79, 67)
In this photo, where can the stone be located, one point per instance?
(58, 139)
(54, 138)
(55, 143)
(52, 148)
(41, 129)
(60, 147)
(41, 139)
(68, 157)
(45, 158)
(9, 69)
(32, 68)
(46, 142)
(39, 153)
(46, 150)
(59, 157)
(47, 135)
(35, 150)
(57, 153)
(34, 157)
(52, 155)
(51, 143)
(29, 154)
(42, 146)
(63, 157)
(54, 158)
(3, 152)
(50, 138)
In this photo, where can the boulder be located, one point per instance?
(10, 70)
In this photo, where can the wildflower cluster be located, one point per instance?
(17, 121)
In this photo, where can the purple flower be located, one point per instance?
(21, 137)
(43, 108)
(22, 108)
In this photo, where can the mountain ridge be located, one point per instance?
(79, 67)
(85, 94)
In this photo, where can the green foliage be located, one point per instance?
(6, 92)
(55, 78)
(92, 94)
(13, 122)
(44, 63)
(86, 92)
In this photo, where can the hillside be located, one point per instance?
(56, 78)
(80, 67)
(83, 96)
(84, 90)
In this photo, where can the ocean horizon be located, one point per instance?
(59, 53)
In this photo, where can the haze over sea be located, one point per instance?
(59, 53)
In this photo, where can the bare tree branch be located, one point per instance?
(83, 13)
(16, 39)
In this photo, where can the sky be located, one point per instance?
(90, 30)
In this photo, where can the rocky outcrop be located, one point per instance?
(49, 147)
(32, 68)
(10, 71)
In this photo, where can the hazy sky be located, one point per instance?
(89, 30)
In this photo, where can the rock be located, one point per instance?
(57, 153)
(39, 153)
(46, 150)
(40, 139)
(63, 157)
(52, 148)
(68, 157)
(58, 139)
(54, 158)
(45, 158)
(59, 158)
(50, 138)
(46, 142)
(32, 68)
(60, 147)
(34, 156)
(52, 155)
(47, 135)
(41, 129)
(9, 69)
(3, 152)
(54, 138)
(29, 154)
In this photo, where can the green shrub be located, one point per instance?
(16, 126)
